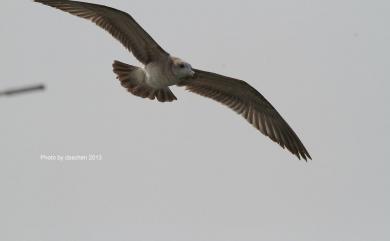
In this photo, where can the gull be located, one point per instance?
(162, 70)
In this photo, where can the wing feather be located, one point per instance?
(248, 102)
(119, 24)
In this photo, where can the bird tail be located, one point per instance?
(133, 79)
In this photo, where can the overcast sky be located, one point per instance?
(193, 170)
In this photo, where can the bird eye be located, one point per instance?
(181, 66)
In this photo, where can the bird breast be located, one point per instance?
(159, 75)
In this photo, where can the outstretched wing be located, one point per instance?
(247, 101)
(119, 24)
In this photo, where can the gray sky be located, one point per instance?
(194, 170)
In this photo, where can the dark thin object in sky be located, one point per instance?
(22, 90)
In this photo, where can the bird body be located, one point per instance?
(159, 74)
(161, 71)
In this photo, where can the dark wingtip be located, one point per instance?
(305, 155)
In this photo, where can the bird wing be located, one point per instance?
(119, 24)
(247, 101)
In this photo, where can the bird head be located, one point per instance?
(181, 69)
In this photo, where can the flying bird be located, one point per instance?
(162, 70)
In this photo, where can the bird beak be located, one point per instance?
(192, 73)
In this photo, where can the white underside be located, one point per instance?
(157, 78)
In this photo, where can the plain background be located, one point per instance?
(193, 169)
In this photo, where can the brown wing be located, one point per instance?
(119, 24)
(247, 101)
